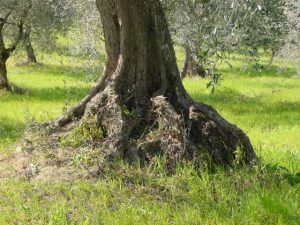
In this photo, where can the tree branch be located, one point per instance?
(18, 39)
(20, 33)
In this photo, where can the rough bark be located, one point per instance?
(3, 73)
(5, 52)
(3, 57)
(191, 65)
(31, 58)
(140, 106)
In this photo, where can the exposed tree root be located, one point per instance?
(137, 111)
(108, 131)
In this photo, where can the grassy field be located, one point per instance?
(266, 105)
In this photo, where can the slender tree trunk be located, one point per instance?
(273, 54)
(4, 55)
(140, 105)
(191, 66)
(31, 58)
(3, 75)
(5, 52)
(186, 63)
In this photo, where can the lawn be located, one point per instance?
(265, 104)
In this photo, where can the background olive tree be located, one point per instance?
(291, 49)
(13, 15)
(205, 29)
(45, 22)
(210, 30)
(265, 29)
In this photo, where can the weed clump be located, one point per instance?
(85, 133)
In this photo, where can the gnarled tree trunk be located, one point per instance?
(140, 105)
(31, 58)
(191, 65)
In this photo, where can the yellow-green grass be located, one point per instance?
(49, 89)
(266, 108)
(265, 105)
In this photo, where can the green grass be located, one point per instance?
(265, 105)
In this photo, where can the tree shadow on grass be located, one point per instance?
(65, 51)
(58, 93)
(81, 73)
(257, 107)
(265, 71)
(15, 89)
(55, 94)
(10, 130)
(88, 73)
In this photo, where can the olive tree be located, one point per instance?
(206, 29)
(291, 48)
(139, 107)
(266, 28)
(12, 16)
(209, 29)
(45, 21)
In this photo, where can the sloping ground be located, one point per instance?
(265, 105)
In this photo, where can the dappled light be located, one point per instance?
(99, 125)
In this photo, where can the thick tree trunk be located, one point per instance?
(140, 105)
(31, 58)
(191, 66)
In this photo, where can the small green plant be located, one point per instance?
(85, 132)
(80, 158)
(239, 156)
(126, 111)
